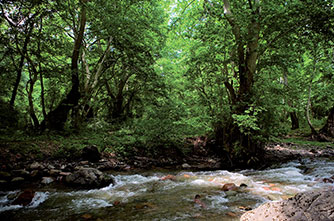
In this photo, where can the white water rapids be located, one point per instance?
(146, 196)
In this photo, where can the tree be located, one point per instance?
(232, 44)
(57, 117)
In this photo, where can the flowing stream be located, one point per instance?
(146, 196)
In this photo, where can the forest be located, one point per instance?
(160, 82)
(149, 74)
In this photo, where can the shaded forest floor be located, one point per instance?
(19, 153)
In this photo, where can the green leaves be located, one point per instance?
(248, 121)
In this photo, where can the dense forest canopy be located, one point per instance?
(154, 72)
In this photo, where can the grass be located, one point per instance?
(304, 142)
(54, 145)
(301, 137)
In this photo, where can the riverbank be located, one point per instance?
(26, 166)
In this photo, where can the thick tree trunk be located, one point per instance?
(328, 128)
(294, 120)
(242, 147)
(57, 118)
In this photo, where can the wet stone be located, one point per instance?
(4, 175)
(17, 180)
(21, 172)
(54, 172)
(47, 180)
(35, 166)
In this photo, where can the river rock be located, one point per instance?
(314, 205)
(21, 172)
(17, 180)
(54, 172)
(88, 178)
(229, 187)
(24, 198)
(186, 166)
(36, 166)
(3, 183)
(47, 180)
(34, 173)
(91, 153)
(5, 175)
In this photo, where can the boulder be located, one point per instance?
(88, 178)
(91, 153)
(314, 205)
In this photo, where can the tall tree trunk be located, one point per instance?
(20, 67)
(57, 118)
(294, 120)
(30, 89)
(292, 114)
(308, 106)
(328, 128)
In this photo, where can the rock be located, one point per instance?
(108, 165)
(50, 167)
(88, 178)
(168, 177)
(47, 180)
(34, 173)
(4, 175)
(328, 180)
(84, 162)
(229, 187)
(54, 172)
(3, 183)
(186, 166)
(91, 153)
(36, 166)
(24, 198)
(65, 173)
(231, 214)
(86, 216)
(243, 185)
(17, 180)
(313, 205)
(116, 203)
(21, 173)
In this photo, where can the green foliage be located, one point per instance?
(248, 122)
(152, 73)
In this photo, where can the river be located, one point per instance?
(146, 196)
